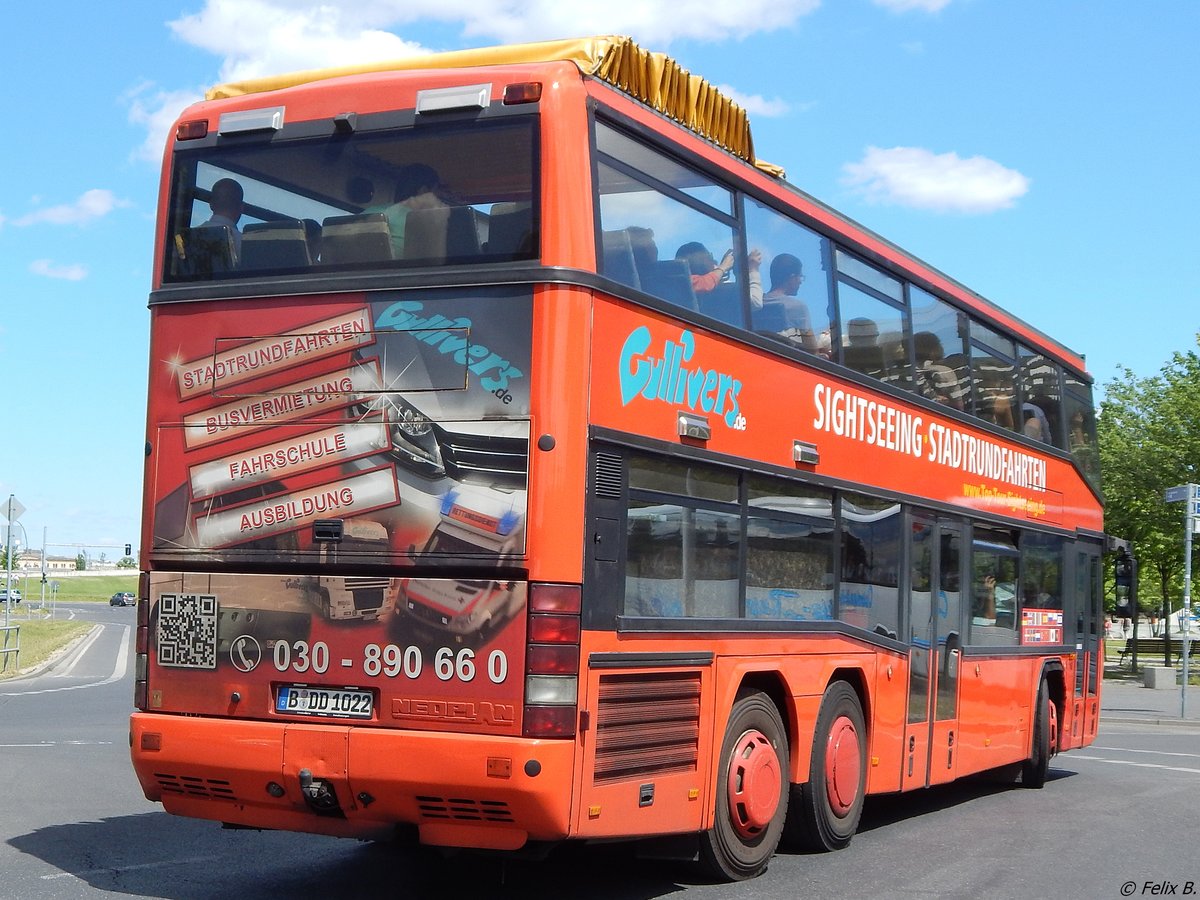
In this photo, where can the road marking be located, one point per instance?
(117, 870)
(119, 670)
(1155, 752)
(78, 653)
(42, 744)
(1137, 765)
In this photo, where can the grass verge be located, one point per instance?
(39, 642)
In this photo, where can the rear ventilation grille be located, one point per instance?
(464, 810)
(647, 724)
(609, 476)
(191, 786)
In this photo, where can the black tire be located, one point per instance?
(752, 791)
(826, 808)
(1033, 770)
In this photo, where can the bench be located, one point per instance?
(1157, 646)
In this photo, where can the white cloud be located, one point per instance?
(902, 6)
(261, 37)
(91, 205)
(942, 182)
(755, 104)
(49, 269)
(156, 111)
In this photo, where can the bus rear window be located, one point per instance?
(447, 195)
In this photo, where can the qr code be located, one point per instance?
(187, 631)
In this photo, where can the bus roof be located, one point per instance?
(653, 78)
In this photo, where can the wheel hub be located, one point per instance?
(755, 782)
(843, 766)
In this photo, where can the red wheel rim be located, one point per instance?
(754, 784)
(843, 766)
(1053, 728)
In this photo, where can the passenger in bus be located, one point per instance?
(861, 350)
(707, 273)
(417, 187)
(1035, 424)
(226, 203)
(788, 310)
(935, 380)
(994, 401)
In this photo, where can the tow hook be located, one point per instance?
(319, 795)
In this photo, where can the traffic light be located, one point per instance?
(129, 549)
(1125, 576)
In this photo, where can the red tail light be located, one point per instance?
(552, 661)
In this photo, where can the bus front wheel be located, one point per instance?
(826, 808)
(752, 791)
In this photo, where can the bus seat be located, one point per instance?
(204, 251)
(356, 239)
(425, 234)
(618, 258)
(510, 231)
(275, 245)
(670, 280)
(466, 231)
(724, 302)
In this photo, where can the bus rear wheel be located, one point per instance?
(826, 809)
(1034, 769)
(752, 791)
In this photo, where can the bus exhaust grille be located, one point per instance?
(193, 786)
(608, 476)
(647, 724)
(464, 810)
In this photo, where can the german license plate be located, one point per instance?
(345, 703)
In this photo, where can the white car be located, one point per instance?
(14, 594)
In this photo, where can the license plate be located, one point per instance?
(345, 703)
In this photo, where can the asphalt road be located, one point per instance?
(1116, 819)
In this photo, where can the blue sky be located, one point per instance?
(1043, 153)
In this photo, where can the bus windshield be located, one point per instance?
(371, 199)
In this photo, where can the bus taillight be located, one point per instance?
(141, 693)
(552, 661)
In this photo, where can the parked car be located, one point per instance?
(14, 594)
(122, 598)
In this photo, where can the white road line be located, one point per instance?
(1137, 765)
(117, 870)
(1155, 752)
(118, 673)
(42, 744)
(78, 653)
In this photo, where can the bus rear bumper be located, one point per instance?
(458, 790)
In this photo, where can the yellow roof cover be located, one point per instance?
(653, 78)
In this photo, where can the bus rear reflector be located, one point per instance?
(550, 721)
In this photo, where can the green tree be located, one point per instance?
(80, 563)
(1149, 432)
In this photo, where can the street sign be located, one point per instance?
(13, 509)
(1176, 494)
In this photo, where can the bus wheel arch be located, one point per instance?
(752, 789)
(826, 808)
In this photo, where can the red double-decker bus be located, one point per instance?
(491, 503)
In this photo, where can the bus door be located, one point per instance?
(935, 651)
(1088, 598)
